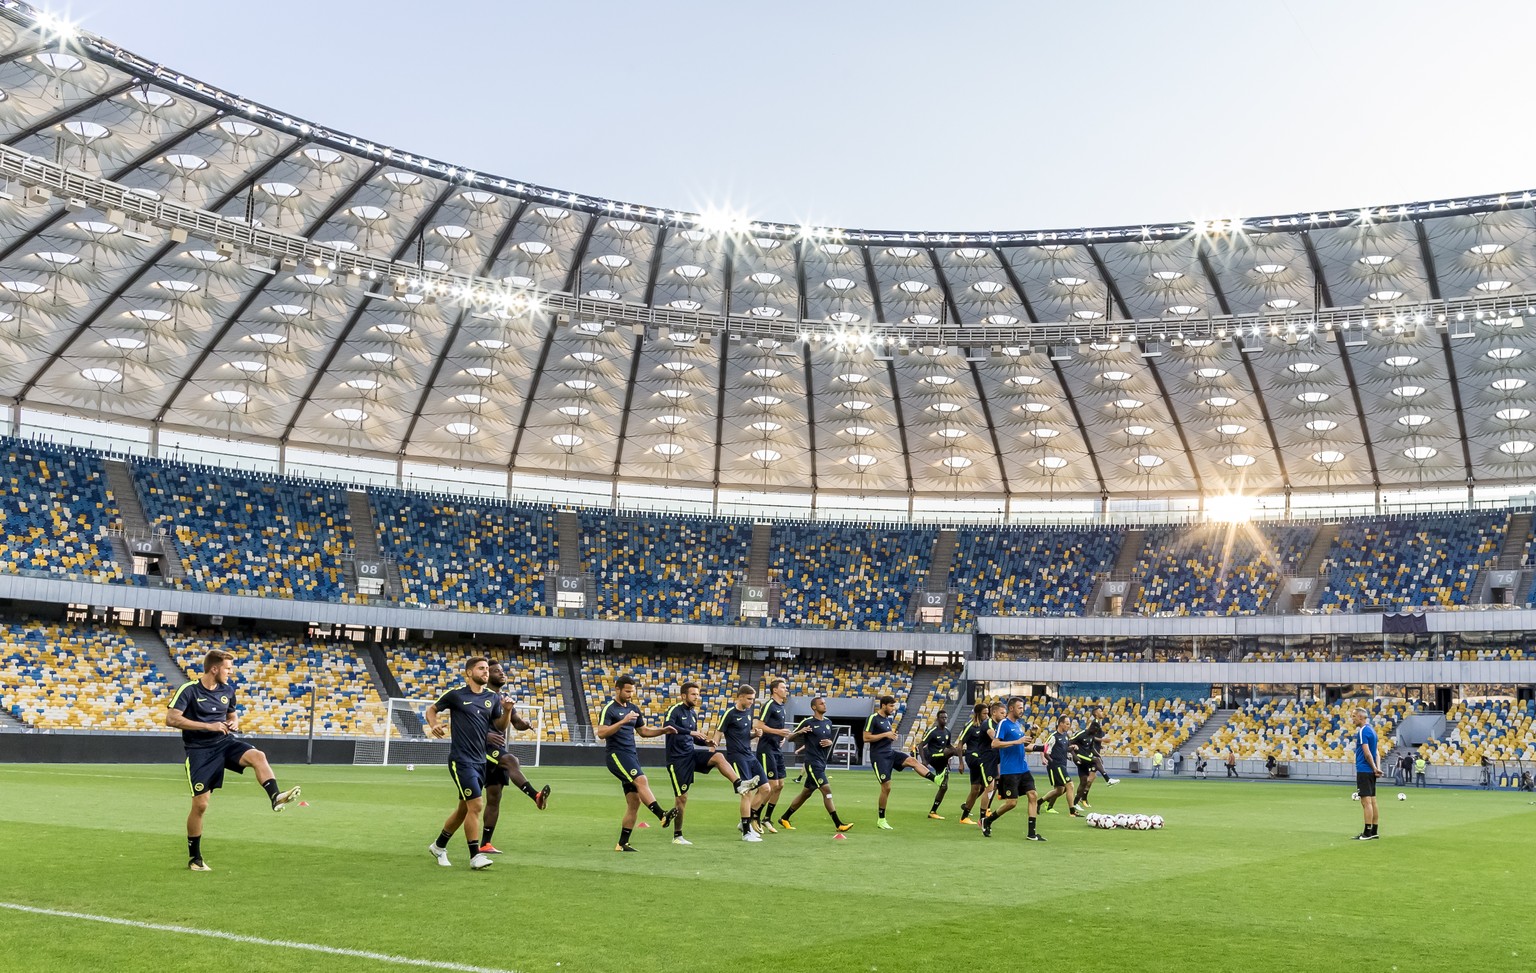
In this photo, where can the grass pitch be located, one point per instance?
(1246, 876)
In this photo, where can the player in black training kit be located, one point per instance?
(1090, 745)
(1058, 751)
(685, 758)
(880, 734)
(204, 711)
(818, 733)
(990, 757)
(472, 710)
(937, 748)
(621, 720)
(737, 727)
(772, 726)
(502, 767)
(974, 742)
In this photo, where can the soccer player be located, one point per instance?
(975, 742)
(685, 758)
(621, 720)
(772, 726)
(819, 734)
(937, 748)
(990, 755)
(473, 711)
(203, 709)
(1058, 762)
(1015, 779)
(737, 727)
(880, 734)
(1089, 744)
(502, 766)
(1367, 769)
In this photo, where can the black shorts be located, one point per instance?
(206, 765)
(495, 774)
(496, 755)
(979, 775)
(816, 777)
(1086, 770)
(468, 778)
(1365, 783)
(1011, 787)
(1057, 776)
(889, 763)
(626, 767)
(745, 765)
(937, 762)
(991, 761)
(680, 772)
(770, 765)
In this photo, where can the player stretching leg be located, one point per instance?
(772, 726)
(1367, 769)
(880, 734)
(685, 758)
(819, 734)
(736, 727)
(474, 710)
(1088, 744)
(937, 748)
(204, 711)
(1015, 780)
(973, 740)
(1058, 762)
(503, 767)
(620, 722)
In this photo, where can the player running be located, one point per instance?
(620, 721)
(203, 709)
(1058, 750)
(975, 741)
(1088, 757)
(1015, 779)
(880, 734)
(502, 766)
(937, 747)
(474, 710)
(736, 726)
(685, 758)
(772, 726)
(819, 733)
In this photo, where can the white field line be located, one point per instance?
(255, 940)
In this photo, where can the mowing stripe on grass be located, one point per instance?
(256, 940)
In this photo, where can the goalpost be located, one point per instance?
(396, 735)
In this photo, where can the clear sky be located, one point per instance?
(964, 115)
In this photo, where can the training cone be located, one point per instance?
(303, 804)
(839, 837)
(645, 824)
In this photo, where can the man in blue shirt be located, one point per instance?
(1014, 778)
(685, 757)
(1367, 769)
(621, 720)
(204, 711)
(880, 734)
(473, 712)
(737, 727)
(819, 734)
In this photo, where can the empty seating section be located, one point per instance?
(249, 533)
(1029, 570)
(467, 554)
(843, 678)
(272, 677)
(428, 671)
(1292, 730)
(1410, 562)
(54, 511)
(80, 677)
(1496, 729)
(1217, 569)
(1131, 727)
(928, 710)
(846, 576)
(659, 679)
(654, 568)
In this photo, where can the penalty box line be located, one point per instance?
(255, 940)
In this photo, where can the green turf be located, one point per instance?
(1247, 876)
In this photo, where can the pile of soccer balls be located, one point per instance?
(1131, 822)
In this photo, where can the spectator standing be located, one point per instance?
(1419, 763)
(1231, 763)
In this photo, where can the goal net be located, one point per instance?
(397, 734)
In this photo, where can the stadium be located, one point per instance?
(354, 415)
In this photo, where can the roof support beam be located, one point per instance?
(1354, 391)
(1173, 413)
(1017, 285)
(533, 388)
(58, 117)
(810, 416)
(901, 423)
(949, 297)
(629, 398)
(1319, 282)
(727, 276)
(1109, 281)
(1430, 274)
(656, 254)
(986, 413)
(874, 285)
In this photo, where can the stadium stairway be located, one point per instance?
(762, 547)
(1517, 536)
(1201, 738)
(365, 544)
(150, 641)
(752, 672)
(10, 724)
(377, 661)
(922, 684)
(1131, 546)
(1311, 566)
(120, 481)
(375, 672)
(576, 708)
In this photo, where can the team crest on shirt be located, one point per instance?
(487, 704)
(224, 699)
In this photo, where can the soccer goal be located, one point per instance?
(397, 734)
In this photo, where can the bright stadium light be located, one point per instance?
(1230, 508)
(722, 222)
(54, 25)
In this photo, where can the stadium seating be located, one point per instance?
(1498, 729)
(80, 677)
(656, 568)
(1292, 730)
(54, 511)
(928, 709)
(272, 677)
(1029, 570)
(1131, 727)
(1217, 569)
(846, 576)
(659, 678)
(246, 533)
(1410, 562)
(467, 554)
(426, 671)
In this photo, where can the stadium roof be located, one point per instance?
(172, 254)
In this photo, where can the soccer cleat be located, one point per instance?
(680, 840)
(756, 826)
(625, 848)
(784, 823)
(441, 854)
(1084, 804)
(198, 865)
(940, 777)
(285, 798)
(935, 816)
(481, 861)
(486, 849)
(747, 784)
(884, 825)
(844, 827)
(966, 819)
(1367, 837)
(768, 828)
(986, 826)
(1079, 807)
(750, 835)
(669, 816)
(541, 799)
(1049, 810)
(1034, 837)
(1111, 781)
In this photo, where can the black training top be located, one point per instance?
(204, 705)
(471, 717)
(774, 716)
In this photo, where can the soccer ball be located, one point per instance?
(1143, 823)
(410, 766)
(1157, 821)
(1355, 796)
(1122, 820)
(1401, 796)
(1109, 822)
